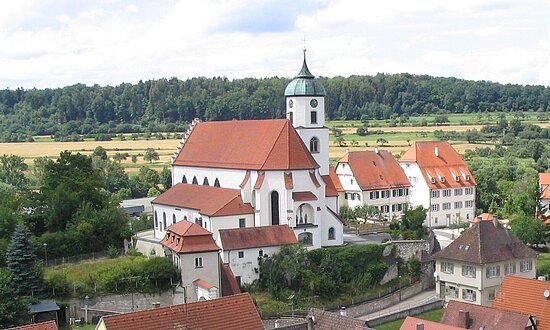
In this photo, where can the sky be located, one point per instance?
(55, 43)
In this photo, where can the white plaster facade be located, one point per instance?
(245, 262)
(194, 266)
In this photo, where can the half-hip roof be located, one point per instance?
(252, 237)
(188, 237)
(486, 242)
(246, 144)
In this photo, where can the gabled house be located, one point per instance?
(236, 312)
(48, 325)
(472, 267)
(413, 323)
(527, 296)
(441, 182)
(373, 178)
(544, 188)
(244, 247)
(193, 250)
(470, 316)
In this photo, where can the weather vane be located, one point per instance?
(304, 43)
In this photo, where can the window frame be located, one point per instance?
(199, 262)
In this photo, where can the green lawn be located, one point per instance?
(80, 272)
(78, 327)
(434, 315)
(543, 263)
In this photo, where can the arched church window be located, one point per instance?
(314, 145)
(205, 182)
(314, 117)
(184, 179)
(195, 181)
(217, 183)
(331, 233)
(173, 218)
(274, 207)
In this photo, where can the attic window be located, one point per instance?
(205, 182)
(178, 241)
(217, 183)
(184, 179)
(195, 181)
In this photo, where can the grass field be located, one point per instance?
(80, 272)
(434, 315)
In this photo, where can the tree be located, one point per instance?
(411, 225)
(12, 309)
(441, 119)
(340, 141)
(134, 159)
(528, 229)
(12, 170)
(100, 152)
(382, 141)
(21, 262)
(151, 155)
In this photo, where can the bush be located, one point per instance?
(57, 285)
(112, 252)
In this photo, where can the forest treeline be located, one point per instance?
(167, 104)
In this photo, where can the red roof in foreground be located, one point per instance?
(251, 237)
(525, 295)
(447, 164)
(481, 316)
(48, 325)
(246, 144)
(188, 237)
(232, 312)
(483, 217)
(376, 170)
(411, 323)
(229, 282)
(211, 201)
(544, 182)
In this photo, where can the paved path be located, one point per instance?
(417, 300)
(366, 238)
(446, 236)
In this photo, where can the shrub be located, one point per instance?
(112, 252)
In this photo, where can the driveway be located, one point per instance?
(374, 238)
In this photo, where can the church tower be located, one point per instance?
(305, 108)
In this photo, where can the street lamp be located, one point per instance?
(45, 245)
(86, 310)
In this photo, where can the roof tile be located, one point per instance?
(188, 237)
(48, 325)
(412, 322)
(251, 237)
(482, 316)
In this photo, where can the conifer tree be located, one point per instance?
(21, 262)
(12, 308)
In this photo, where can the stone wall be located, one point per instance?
(408, 312)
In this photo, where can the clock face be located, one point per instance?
(290, 103)
(313, 103)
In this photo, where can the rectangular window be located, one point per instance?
(525, 265)
(468, 294)
(435, 207)
(385, 194)
(448, 267)
(435, 193)
(241, 254)
(510, 268)
(447, 193)
(314, 117)
(406, 191)
(492, 295)
(291, 117)
(374, 194)
(394, 192)
(458, 205)
(198, 262)
(469, 204)
(446, 206)
(492, 271)
(458, 192)
(260, 253)
(468, 271)
(385, 208)
(469, 191)
(242, 222)
(451, 291)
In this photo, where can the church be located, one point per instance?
(256, 173)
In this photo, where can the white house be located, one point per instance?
(244, 247)
(254, 173)
(373, 178)
(441, 182)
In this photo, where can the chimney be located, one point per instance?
(376, 150)
(343, 311)
(311, 322)
(156, 304)
(463, 319)
(495, 222)
(436, 151)
(420, 326)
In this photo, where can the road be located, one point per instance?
(376, 238)
(420, 299)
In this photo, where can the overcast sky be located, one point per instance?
(54, 43)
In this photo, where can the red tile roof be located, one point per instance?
(544, 182)
(482, 316)
(330, 186)
(314, 179)
(448, 164)
(48, 325)
(229, 282)
(252, 237)
(203, 284)
(483, 217)
(188, 237)
(245, 179)
(544, 178)
(246, 144)
(211, 201)
(484, 242)
(302, 196)
(411, 322)
(289, 184)
(325, 320)
(374, 170)
(525, 295)
(259, 180)
(232, 312)
(335, 179)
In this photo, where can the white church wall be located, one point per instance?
(246, 266)
(228, 178)
(229, 222)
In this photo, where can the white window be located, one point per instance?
(385, 208)
(446, 206)
(458, 192)
(458, 205)
(492, 294)
(385, 193)
(313, 117)
(435, 193)
(448, 267)
(374, 194)
(198, 262)
(242, 222)
(510, 268)
(447, 193)
(241, 254)
(525, 265)
(492, 271)
(468, 203)
(314, 145)
(451, 291)
(468, 294)
(261, 253)
(469, 191)
(406, 191)
(435, 207)
(468, 271)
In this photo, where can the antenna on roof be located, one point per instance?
(304, 45)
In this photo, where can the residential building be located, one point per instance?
(525, 295)
(254, 173)
(236, 312)
(441, 182)
(373, 178)
(48, 325)
(470, 316)
(413, 323)
(193, 250)
(472, 267)
(244, 247)
(318, 319)
(544, 188)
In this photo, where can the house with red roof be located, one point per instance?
(544, 188)
(255, 173)
(195, 253)
(414, 323)
(470, 316)
(244, 247)
(48, 325)
(441, 182)
(373, 178)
